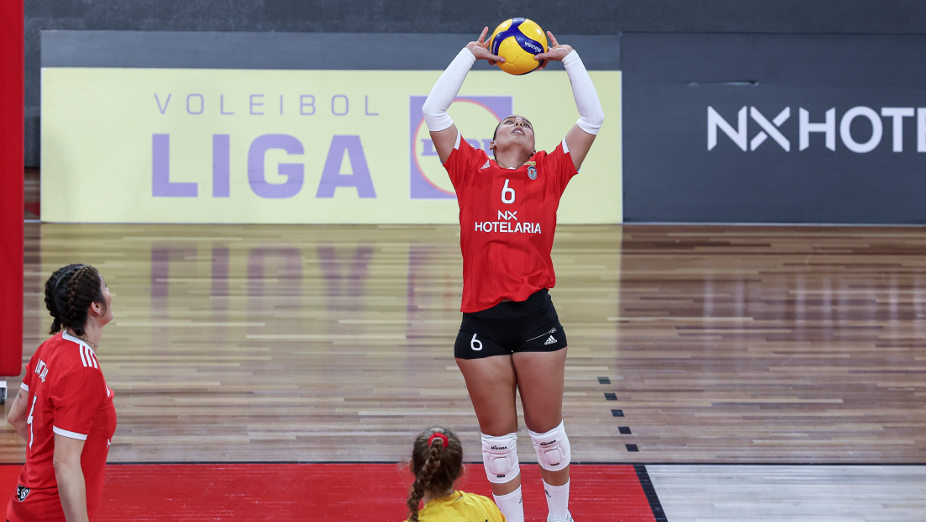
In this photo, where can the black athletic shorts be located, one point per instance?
(510, 327)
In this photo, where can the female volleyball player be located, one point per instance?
(437, 462)
(510, 337)
(64, 408)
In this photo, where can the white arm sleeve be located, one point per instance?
(445, 90)
(590, 114)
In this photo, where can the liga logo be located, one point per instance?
(475, 116)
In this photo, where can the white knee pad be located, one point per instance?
(500, 456)
(552, 447)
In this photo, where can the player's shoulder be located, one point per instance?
(76, 353)
(481, 504)
(46, 346)
(557, 152)
(476, 498)
(51, 342)
(466, 148)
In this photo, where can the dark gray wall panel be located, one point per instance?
(671, 174)
(282, 51)
(589, 17)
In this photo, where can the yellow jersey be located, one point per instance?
(460, 506)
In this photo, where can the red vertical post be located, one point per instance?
(11, 186)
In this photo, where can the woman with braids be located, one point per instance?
(64, 409)
(437, 462)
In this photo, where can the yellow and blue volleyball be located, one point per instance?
(517, 40)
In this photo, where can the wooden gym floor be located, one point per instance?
(768, 373)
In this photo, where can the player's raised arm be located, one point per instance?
(443, 132)
(580, 137)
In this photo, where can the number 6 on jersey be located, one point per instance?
(507, 193)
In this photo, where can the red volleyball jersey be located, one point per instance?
(68, 396)
(507, 221)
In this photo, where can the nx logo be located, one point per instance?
(771, 128)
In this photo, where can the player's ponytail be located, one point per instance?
(437, 459)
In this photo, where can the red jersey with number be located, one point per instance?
(507, 221)
(68, 396)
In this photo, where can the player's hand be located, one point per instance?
(480, 49)
(555, 52)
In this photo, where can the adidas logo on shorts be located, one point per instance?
(550, 340)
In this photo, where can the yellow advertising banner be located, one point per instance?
(267, 146)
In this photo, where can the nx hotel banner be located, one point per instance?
(774, 128)
(291, 146)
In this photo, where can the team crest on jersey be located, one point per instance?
(531, 169)
(22, 492)
(487, 165)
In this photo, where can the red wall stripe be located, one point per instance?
(11, 186)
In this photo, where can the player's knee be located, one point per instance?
(552, 447)
(500, 456)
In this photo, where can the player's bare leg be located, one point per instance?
(540, 377)
(491, 385)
